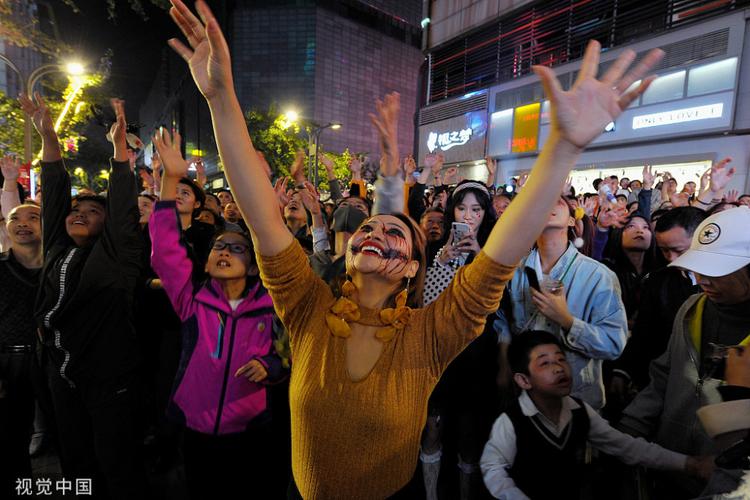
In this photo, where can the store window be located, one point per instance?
(712, 77)
(526, 128)
(665, 88)
(501, 127)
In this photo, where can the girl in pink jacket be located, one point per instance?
(228, 356)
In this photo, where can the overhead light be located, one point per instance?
(336, 126)
(75, 68)
(425, 22)
(291, 115)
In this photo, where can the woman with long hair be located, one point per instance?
(366, 362)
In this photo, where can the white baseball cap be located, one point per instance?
(721, 244)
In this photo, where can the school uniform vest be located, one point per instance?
(547, 466)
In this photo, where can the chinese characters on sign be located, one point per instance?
(43, 487)
(526, 128)
(448, 140)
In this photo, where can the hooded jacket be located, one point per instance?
(217, 340)
(84, 308)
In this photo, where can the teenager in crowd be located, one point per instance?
(538, 447)
(91, 264)
(365, 363)
(225, 196)
(228, 353)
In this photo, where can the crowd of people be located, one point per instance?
(433, 337)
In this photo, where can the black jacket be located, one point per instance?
(663, 294)
(85, 302)
(18, 288)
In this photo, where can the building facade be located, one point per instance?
(328, 60)
(691, 116)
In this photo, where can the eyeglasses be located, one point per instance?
(237, 248)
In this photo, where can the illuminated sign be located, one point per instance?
(679, 116)
(447, 140)
(526, 128)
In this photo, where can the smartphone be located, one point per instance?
(532, 278)
(460, 231)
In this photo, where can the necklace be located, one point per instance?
(393, 319)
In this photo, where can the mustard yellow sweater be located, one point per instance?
(361, 439)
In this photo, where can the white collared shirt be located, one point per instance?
(500, 451)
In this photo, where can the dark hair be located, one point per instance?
(212, 195)
(250, 281)
(743, 196)
(596, 183)
(484, 200)
(520, 348)
(614, 253)
(631, 204)
(224, 190)
(94, 198)
(149, 196)
(688, 218)
(431, 210)
(613, 177)
(720, 207)
(200, 195)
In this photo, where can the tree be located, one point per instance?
(280, 140)
(77, 114)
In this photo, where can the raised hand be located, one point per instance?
(450, 176)
(410, 166)
(648, 177)
(310, 198)
(39, 114)
(10, 166)
(355, 166)
(522, 180)
(720, 176)
(566, 187)
(612, 218)
(118, 131)
(208, 55)
(590, 205)
(328, 163)
(491, 166)
(156, 172)
(297, 170)
(200, 171)
(579, 115)
(168, 147)
(731, 196)
(386, 123)
(705, 178)
(281, 192)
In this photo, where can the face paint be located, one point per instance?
(391, 249)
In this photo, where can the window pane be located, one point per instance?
(665, 88)
(712, 77)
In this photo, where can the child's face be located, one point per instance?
(230, 258)
(549, 372)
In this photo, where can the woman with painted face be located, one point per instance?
(366, 362)
(92, 258)
(228, 359)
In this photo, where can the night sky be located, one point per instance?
(136, 46)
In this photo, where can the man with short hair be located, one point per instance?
(19, 282)
(432, 224)
(687, 376)
(624, 187)
(225, 196)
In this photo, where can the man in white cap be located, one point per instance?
(687, 376)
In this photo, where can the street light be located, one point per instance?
(72, 69)
(315, 134)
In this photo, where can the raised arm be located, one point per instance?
(210, 65)
(55, 180)
(9, 199)
(578, 117)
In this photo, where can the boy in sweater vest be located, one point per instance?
(537, 448)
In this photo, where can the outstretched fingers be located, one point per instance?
(618, 68)
(590, 64)
(641, 69)
(550, 83)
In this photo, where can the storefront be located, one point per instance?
(681, 124)
(461, 139)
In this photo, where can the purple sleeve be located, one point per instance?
(600, 241)
(169, 258)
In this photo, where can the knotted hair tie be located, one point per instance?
(345, 311)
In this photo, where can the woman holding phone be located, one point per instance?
(365, 363)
